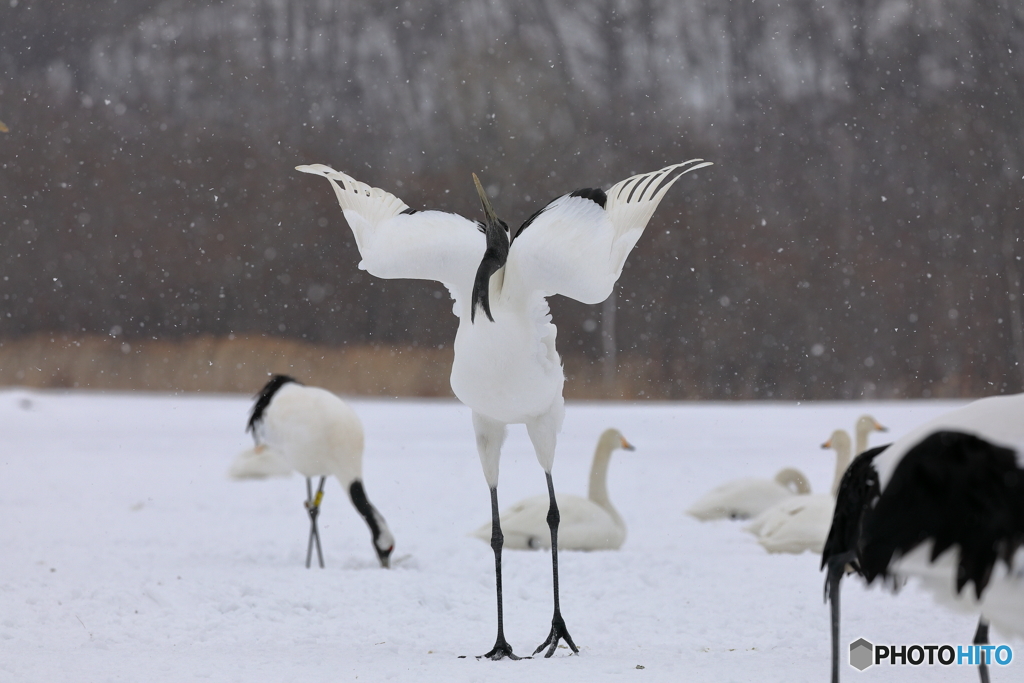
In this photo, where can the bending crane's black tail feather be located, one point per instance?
(956, 490)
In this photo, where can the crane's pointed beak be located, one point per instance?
(488, 210)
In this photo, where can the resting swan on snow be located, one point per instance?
(589, 523)
(259, 462)
(802, 523)
(749, 496)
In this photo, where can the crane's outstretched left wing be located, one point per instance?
(576, 245)
(397, 242)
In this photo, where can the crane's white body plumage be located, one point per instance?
(315, 432)
(1001, 603)
(748, 497)
(590, 523)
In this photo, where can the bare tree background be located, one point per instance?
(860, 234)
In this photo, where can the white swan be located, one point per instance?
(748, 497)
(259, 462)
(801, 523)
(315, 433)
(590, 523)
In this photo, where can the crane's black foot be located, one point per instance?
(500, 650)
(558, 632)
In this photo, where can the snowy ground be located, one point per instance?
(126, 554)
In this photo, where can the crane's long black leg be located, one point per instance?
(836, 568)
(981, 638)
(558, 629)
(313, 508)
(316, 530)
(309, 510)
(501, 647)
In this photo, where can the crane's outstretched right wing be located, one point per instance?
(576, 245)
(398, 242)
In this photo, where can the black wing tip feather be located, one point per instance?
(594, 194)
(640, 188)
(263, 398)
(955, 489)
(653, 181)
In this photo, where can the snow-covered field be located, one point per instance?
(126, 553)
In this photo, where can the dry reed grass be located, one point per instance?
(242, 364)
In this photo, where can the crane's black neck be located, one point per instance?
(374, 520)
(495, 256)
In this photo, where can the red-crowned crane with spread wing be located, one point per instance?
(506, 368)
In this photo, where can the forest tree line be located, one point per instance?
(859, 234)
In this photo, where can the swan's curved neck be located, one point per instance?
(794, 480)
(861, 443)
(842, 462)
(597, 491)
